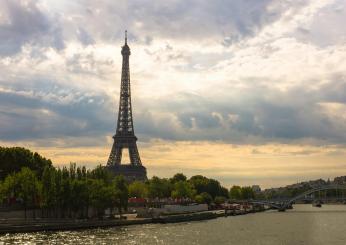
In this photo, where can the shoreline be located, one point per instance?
(64, 225)
(33, 226)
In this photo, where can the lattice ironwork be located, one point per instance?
(125, 137)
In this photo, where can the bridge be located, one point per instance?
(283, 204)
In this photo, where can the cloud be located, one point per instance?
(256, 84)
(54, 113)
(265, 84)
(26, 23)
(295, 114)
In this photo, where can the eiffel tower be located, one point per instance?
(125, 137)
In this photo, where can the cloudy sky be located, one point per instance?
(245, 91)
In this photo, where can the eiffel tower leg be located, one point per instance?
(134, 155)
(119, 151)
(115, 155)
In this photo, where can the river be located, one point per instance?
(302, 225)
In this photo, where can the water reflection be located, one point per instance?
(302, 225)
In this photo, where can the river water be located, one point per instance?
(302, 225)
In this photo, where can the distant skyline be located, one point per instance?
(247, 92)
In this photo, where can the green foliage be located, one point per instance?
(178, 177)
(199, 199)
(80, 195)
(214, 188)
(200, 183)
(241, 193)
(101, 173)
(159, 187)
(13, 159)
(210, 186)
(121, 193)
(27, 186)
(68, 191)
(138, 189)
(23, 185)
(101, 195)
(49, 190)
(71, 191)
(183, 189)
(247, 193)
(235, 192)
(207, 198)
(9, 186)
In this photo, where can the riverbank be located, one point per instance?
(22, 226)
(19, 226)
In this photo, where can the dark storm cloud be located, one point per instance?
(58, 112)
(280, 116)
(294, 114)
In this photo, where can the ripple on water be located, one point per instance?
(302, 225)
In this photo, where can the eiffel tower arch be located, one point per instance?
(124, 138)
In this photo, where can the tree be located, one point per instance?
(235, 192)
(9, 186)
(247, 193)
(223, 192)
(183, 189)
(101, 195)
(101, 173)
(199, 199)
(66, 194)
(121, 193)
(49, 192)
(199, 183)
(2, 193)
(159, 187)
(138, 189)
(80, 196)
(206, 198)
(28, 187)
(178, 177)
(73, 170)
(213, 187)
(59, 191)
(13, 159)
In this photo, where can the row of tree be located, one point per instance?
(70, 192)
(241, 193)
(66, 192)
(31, 180)
(198, 188)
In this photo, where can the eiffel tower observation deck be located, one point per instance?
(124, 138)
